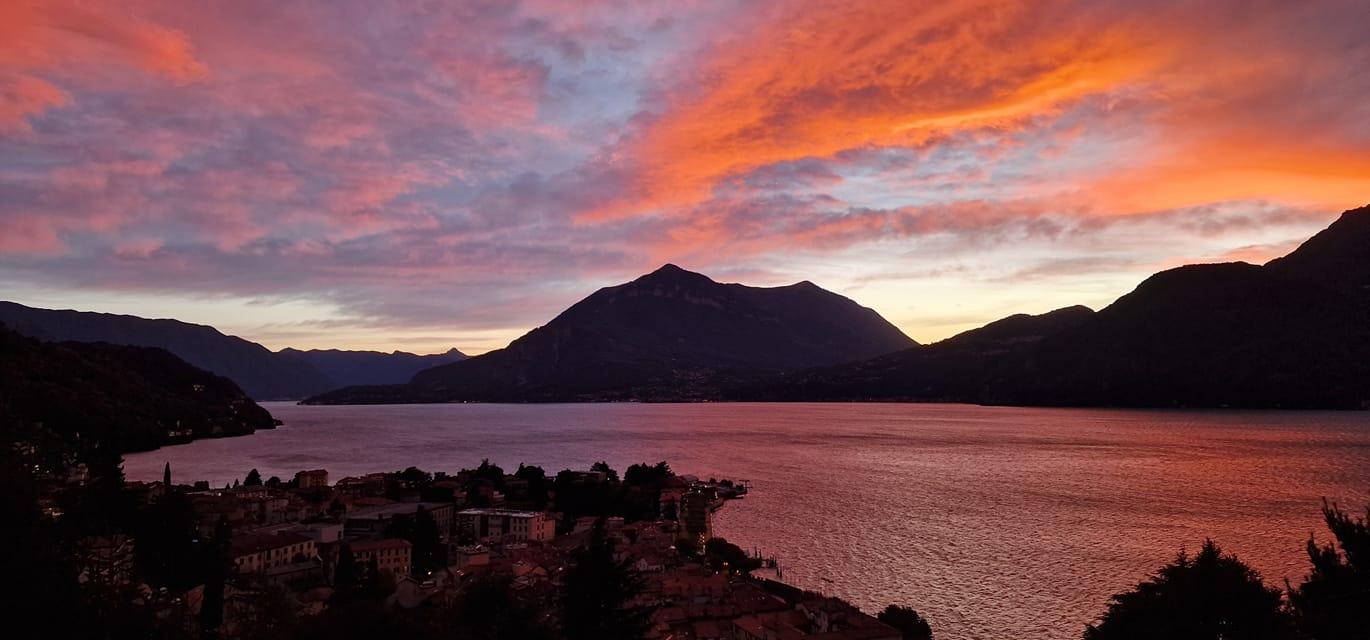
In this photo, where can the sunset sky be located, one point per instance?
(417, 176)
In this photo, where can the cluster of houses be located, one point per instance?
(288, 537)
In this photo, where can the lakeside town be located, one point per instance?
(480, 551)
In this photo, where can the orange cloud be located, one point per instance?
(48, 34)
(822, 79)
(22, 96)
(59, 38)
(1221, 123)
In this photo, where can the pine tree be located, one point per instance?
(910, 625)
(212, 605)
(345, 576)
(598, 592)
(1208, 596)
(1334, 600)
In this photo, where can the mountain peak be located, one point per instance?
(672, 274)
(1338, 256)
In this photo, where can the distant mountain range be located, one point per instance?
(262, 373)
(669, 335)
(83, 396)
(1294, 333)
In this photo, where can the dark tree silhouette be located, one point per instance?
(216, 573)
(722, 555)
(489, 471)
(253, 479)
(40, 577)
(1210, 596)
(538, 484)
(648, 474)
(268, 615)
(1334, 600)
(603, 467)
(907, 622)
(346, 576)
(100, 506)
(489, 610)
(598, 593)
(414, 478)
(362, 621)
(169, 551)
(429, 554)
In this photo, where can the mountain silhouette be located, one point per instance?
(115, 396)
(1294, 333)
(262, 373)
(670, 334)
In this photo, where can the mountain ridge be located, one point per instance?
(1294, 333)
(262, 373)
(670, 333)
(115, 396)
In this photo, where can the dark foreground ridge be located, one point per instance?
(94, 398)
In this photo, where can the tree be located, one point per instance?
(722, 555)
(40, 576)
(428, 554)
(169, 551)
(216, 573)
(100, 506)
(488, 610)
(253, 479)
(538, 484)
(346, 576)
(604, 468)
(907, 622)
(489, 471)
(414, 478)
(1334, 600)
(1210, 596)
(647, 474)
(598, 593)
(364, 620)
(267, 614)
(687, 547)
(481, 481)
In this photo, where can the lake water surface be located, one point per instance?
(1000, 523)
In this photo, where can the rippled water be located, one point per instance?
(994, 522)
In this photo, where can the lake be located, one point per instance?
(993, 522)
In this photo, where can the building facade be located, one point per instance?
(373, 521)
(393, 556)
(260, 553)
(312, 479)
(506, 525)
